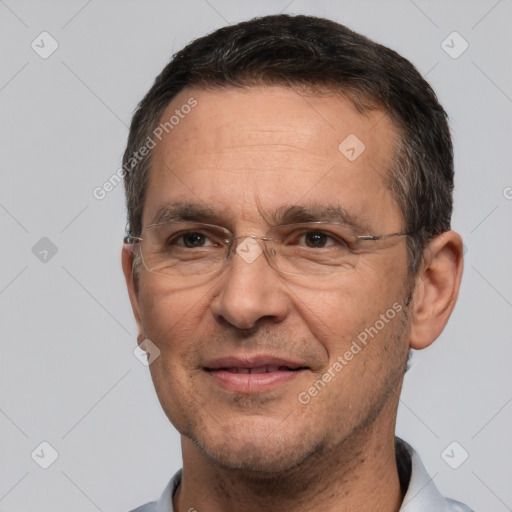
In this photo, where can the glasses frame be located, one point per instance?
(231, 238)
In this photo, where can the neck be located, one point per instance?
(358, 474)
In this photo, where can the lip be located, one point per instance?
(251, 362)
(224, 372)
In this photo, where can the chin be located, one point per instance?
(252, 459)
(266, 451)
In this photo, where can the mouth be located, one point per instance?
(253, 375)
(260, 369)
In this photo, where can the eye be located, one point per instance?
(191, 240)
(320, 240)
(316, 239)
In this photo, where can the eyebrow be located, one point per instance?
(182, 211)
(185, 212)
(319, 212)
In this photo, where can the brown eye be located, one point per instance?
(193, 239)
(316, 239)
(320, 240)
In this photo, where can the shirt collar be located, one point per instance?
(422, 494)
(164, 504)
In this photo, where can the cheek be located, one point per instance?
(336, 316)
(170, 319)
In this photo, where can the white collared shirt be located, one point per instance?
(422, 495)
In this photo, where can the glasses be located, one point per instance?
(315, 249)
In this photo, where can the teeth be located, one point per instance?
(261, 369)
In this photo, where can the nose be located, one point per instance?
(250, 290)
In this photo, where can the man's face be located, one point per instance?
(245, 154)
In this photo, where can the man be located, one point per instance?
(289, 191)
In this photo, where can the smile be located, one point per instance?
(257, 374)
(260, 369)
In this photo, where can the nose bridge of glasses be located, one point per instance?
(264, 238)
(249, 247)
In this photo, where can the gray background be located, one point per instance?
(68, 373)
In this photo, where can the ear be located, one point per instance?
(127, 258)
(437, 288)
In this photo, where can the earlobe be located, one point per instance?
(128, 265)
(437, 288)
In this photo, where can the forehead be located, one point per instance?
(243, 150)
